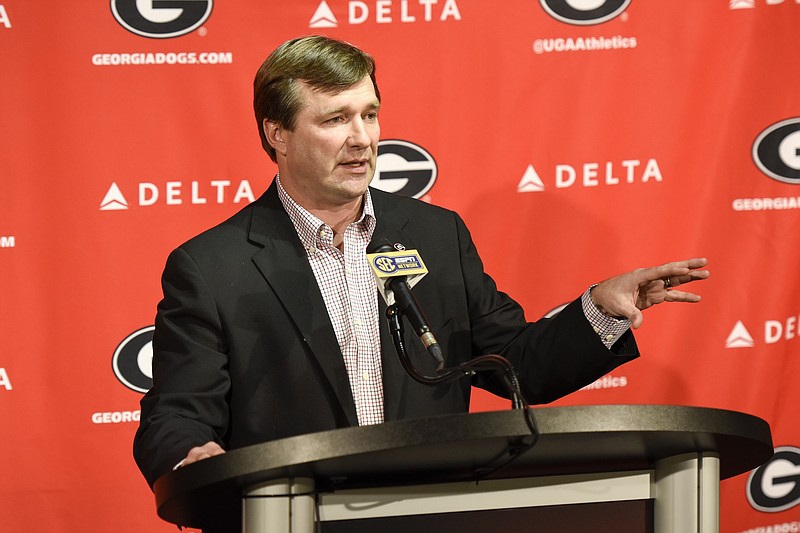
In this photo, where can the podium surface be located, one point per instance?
(573, 441)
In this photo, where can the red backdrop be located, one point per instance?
(578, 138)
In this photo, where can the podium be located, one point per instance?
(658, 466)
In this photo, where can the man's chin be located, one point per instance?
(352, 189)
(355, 178)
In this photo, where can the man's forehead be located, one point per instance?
(359, 95)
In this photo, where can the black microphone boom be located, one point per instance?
(407, 304)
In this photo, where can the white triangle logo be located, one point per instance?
(323, 17)
(113, 200)
(530, 182)
(739, 337)
(742, 4)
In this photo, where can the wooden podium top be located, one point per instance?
(573, 440)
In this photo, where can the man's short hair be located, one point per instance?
(324, 64)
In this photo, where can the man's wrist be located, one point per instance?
(607, 327)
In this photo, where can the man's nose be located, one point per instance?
(359, 136)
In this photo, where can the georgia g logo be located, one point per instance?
(775, 485)
(404, 168)
(161, 19)
(584, 12)
(776, 151)
(133, 360)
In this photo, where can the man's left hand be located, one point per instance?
(627, 295)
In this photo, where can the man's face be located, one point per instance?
(329, 157)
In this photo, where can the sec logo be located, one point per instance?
(385, 264)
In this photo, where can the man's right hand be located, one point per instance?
(209, 449)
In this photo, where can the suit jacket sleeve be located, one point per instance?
(182, 410)
(554, 356)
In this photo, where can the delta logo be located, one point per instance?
(5, 21)
(174, 193)
(383, 12)
(592, 174)
(775, 331)
(752, 4)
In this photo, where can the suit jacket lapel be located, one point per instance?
(390, 225)
(284, 265)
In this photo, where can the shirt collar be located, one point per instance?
(312, 231)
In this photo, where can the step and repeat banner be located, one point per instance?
(578, 139)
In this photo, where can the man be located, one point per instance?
(270, 323)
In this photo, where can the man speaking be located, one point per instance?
(270, 325)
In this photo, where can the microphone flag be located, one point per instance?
(396, 263)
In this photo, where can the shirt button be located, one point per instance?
(365, 376)
(609, 338)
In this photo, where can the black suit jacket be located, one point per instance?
(244, 351)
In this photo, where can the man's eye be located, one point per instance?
(335, 120)
(371, 116)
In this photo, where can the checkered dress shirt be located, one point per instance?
(349, 290)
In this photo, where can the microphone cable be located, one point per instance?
(483, 363)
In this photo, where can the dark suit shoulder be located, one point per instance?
(235, 225)
(386, 201)
(412, 218)
(235, 232)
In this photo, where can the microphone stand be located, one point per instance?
(479, 364)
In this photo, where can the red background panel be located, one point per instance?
(688, 94)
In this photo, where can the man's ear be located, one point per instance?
(275, 135)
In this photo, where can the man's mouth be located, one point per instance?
(355, 163)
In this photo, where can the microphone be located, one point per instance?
(391, 267)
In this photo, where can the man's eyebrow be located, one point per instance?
(374, 106)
